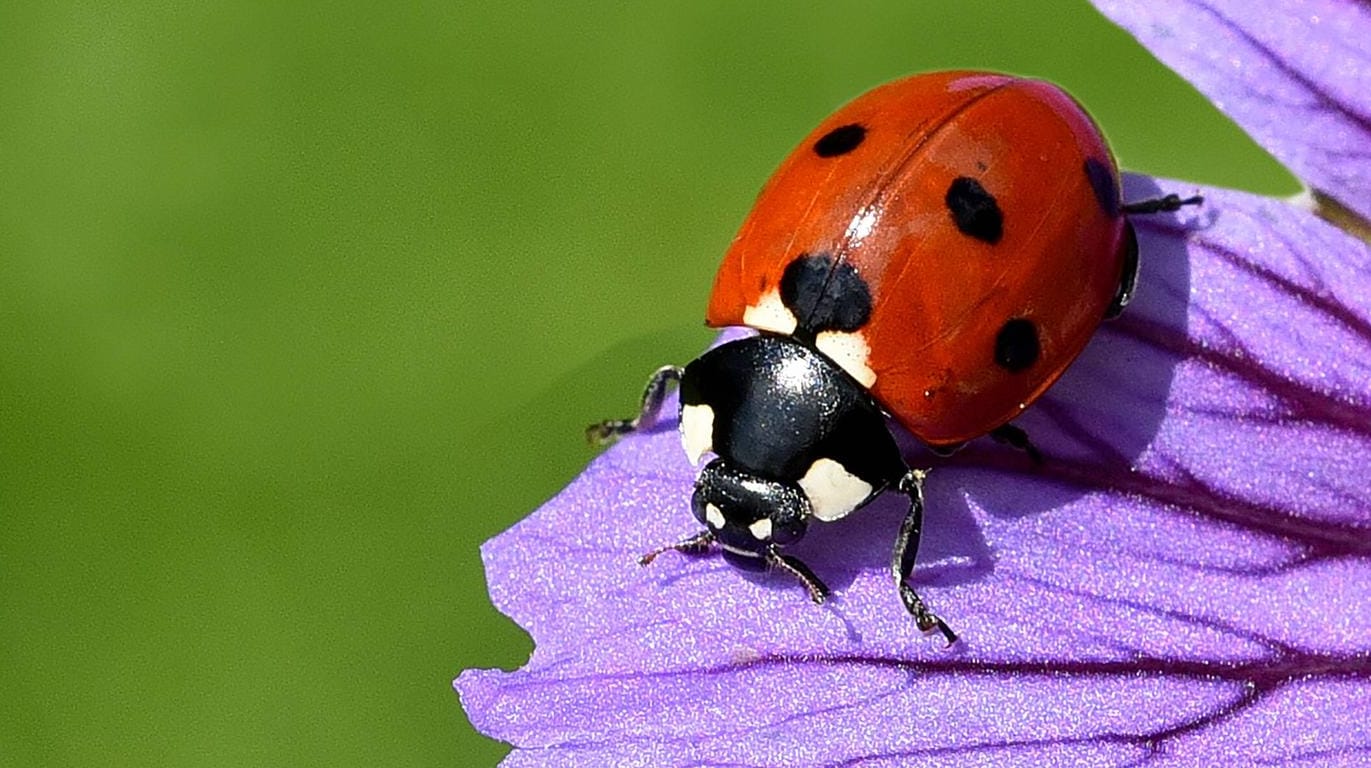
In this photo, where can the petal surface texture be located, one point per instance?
(1296, 75)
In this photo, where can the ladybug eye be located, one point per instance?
(840, 141)
(1016, 345)
(974, 210)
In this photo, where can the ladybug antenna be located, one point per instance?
(1172, 202)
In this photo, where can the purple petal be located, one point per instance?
(1185, 576)
(1295, 75)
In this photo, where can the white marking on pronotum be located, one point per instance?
(761, 530)
(850, 351)
(832, 490)
(714, 516)
(697, 431)
(770, 314)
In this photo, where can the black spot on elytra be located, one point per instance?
(1016, 345)
(974, 210)
(825, 295)
(1104, 183)
(840, 141)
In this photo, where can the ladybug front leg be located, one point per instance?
(653, 395)
(818, 591)
(695, 545)
(906, 551)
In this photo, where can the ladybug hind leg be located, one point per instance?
(1129, 279)
(1165, 204)
(654, 394)
(907, 550)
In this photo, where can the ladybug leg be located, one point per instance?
(1015, 437)
(1167, 204)
(694, 545)
(1128, 281)
(907, 549)
(818, 591)
(653, 395)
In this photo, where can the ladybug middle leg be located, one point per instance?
(654, 394)
(906, 551)
(1015, 437)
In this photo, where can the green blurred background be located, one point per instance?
(303, 302)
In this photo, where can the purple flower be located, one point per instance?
(1186, 576)
(1295, 74)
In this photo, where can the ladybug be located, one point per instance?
(935, 253)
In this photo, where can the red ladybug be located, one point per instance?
(937, 251)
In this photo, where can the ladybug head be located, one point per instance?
(748, 515)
